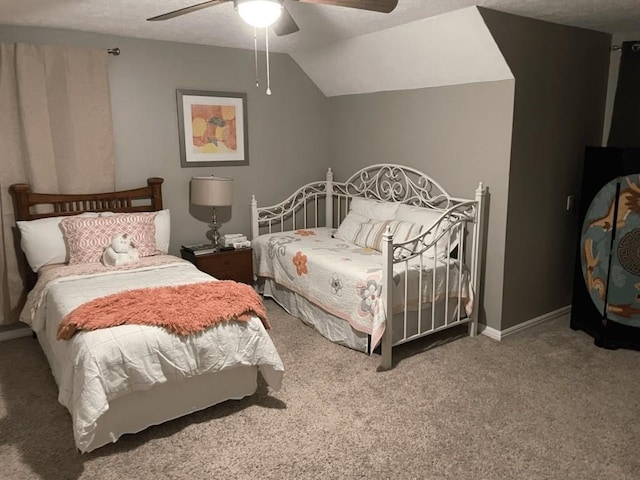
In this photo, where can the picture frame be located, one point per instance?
(212, 128)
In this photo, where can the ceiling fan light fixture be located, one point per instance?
(259, 13)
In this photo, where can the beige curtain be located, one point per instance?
(56, 134)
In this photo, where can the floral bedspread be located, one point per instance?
(345, 279)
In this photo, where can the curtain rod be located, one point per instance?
(634, 48)
(113, 51)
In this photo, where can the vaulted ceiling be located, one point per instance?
(319, 24)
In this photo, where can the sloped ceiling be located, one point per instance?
(449, 49)
(319, 24)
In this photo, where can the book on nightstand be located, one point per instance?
(241, 244)
(231, 239)
(200, 248)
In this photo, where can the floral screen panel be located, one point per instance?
(610, 250)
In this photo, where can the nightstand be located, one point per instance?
(227, 265)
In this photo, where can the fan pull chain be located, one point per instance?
(255, 53)
(266, 30)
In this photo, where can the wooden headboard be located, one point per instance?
(145, 199)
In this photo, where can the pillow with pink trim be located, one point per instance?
(88, 237)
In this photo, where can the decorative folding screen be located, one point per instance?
(606, 296)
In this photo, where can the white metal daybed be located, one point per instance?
(357, 285)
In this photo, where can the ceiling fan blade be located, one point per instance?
(183, 11)
(382, 6)
(285, 24)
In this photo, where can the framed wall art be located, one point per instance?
(212, 128)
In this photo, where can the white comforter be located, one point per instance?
(94, 368)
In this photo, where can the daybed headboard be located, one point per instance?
(389, 183)
(326, 203)
(145, 199)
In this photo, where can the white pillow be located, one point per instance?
(350, 226)
(163, 228)
(374, 209)
(427, 217)
(42, 241)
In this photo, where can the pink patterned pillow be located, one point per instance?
(88, 237)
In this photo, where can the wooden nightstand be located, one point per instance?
(228, 265)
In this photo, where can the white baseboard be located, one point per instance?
(15, 333)
(500, 334)
(489, 332)
(482, 328)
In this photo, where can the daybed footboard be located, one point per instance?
(458, 231)
(421, 265)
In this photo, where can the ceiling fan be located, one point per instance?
(264, 13)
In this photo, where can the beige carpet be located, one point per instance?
(542, 404)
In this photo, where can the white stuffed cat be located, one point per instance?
(120, 252)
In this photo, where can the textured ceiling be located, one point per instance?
(319, 24)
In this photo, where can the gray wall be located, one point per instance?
(561, 81)
(459, 135)
(612, 83)
(288, 131)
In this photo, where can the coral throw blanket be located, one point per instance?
(183, 310)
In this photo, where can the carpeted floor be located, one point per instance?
(542, 404)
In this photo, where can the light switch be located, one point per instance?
(570, 199)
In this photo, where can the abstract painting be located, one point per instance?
(212, 128)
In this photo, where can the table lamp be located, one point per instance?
(212, 192)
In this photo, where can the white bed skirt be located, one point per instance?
(139, 410)
(335, 329)
(167, 401)
(340, 331)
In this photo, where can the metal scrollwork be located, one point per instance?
(396, 183)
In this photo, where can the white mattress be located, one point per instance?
(98, 367)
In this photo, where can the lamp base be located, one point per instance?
(215, 234)
(215, 238)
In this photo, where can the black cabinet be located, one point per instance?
(606, 289)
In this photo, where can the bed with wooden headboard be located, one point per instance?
(161, 383)
(29, 206)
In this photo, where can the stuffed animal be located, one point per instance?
(120, 252)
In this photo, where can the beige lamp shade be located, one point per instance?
(212, 191)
